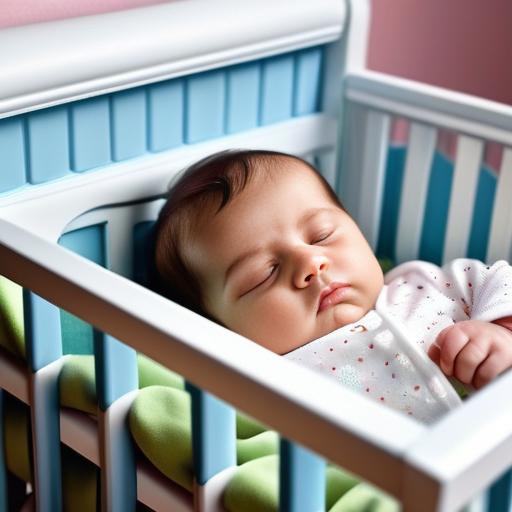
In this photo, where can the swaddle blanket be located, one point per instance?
(384, 355)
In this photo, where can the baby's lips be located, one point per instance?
(334, 294)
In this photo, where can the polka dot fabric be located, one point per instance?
(384, 355)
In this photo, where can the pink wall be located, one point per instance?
(464, 45)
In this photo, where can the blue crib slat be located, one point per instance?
(143, 264)
(3, 467)
(205, 100)
(165, 115)
(213, 434)
(116, 369)
(500, 494)
(308, 66)
(482, 214)
(42, 331)
(277, 89)
(302, 479)
(48, 144)
(436, 210)
(90, 133)
(12, 154)
(128, 123)
(243, 87)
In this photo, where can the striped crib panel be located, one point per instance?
(56, 142)
(12, 154)
(500, 243)
(302, 479)
(48, 144)
(90, 133)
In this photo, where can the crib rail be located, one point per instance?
(374, 100)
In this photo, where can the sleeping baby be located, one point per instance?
(258, 242)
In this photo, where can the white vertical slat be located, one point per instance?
(418, 164)
(500, 240)
(373, 169)
(462, 198)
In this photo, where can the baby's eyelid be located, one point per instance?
(322, 237)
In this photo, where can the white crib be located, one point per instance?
(92, 132)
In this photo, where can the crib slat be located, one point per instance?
(418, 164)
(48, 144)
(462, 198)
(373, 168)
(301, 478)
(308, 64)
(500, 494)
(3, 467)
(128, 124)
(165, 111)
(205, 100)
(12, 154)
(243, 94)
(213, 434)
(90, 133)
(277, 89)
(500, 241)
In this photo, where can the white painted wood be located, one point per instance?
(14, 376)
(149, 176)
(44, 405)
(418, 164)
(462, 198)
(500, 239)
(209, 497)
(464, 452)
(115, 457)
(79, 431)
(428, 104)
(372, 174)
(213, 358)
(123, 49)
(158, 492)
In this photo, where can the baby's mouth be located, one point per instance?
(332, 295)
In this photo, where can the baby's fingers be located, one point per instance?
(450, 342)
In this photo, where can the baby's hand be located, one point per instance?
(475, 352)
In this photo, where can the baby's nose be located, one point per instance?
(310, 264)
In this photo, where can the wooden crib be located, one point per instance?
(99, 114)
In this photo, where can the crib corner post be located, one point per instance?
(302, 479)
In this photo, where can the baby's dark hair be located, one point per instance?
(201, 192)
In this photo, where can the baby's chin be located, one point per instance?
(346, 314)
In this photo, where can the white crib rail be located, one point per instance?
(429, 109)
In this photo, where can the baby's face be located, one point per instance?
(282, 265)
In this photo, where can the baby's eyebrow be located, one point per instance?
(313, 212)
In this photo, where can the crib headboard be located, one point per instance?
(92, 132)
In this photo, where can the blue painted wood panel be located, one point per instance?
(482, 214)
(213, 434)
(277, 89)
(128, 123)
(302, 479)
(308, 68)
(48, 144)
(165, 111)
(243, 87)
(12, 154)
(205, 106)
(90, 133)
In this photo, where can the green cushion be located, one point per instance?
(161, 425)
(12, 332)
